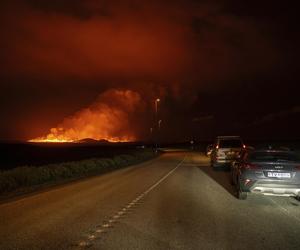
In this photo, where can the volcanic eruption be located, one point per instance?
(108, 118)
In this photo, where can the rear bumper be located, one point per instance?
(223, 160)
(277, 189)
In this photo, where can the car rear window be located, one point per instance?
(232, 143)
(273, 156)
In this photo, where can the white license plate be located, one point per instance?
(280, 175)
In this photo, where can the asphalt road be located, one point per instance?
(173, 202)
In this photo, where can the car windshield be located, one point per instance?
(231, 143)
(273, 156)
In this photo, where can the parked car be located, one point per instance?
(268, 172)
(225, 150)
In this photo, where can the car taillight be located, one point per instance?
(247, 182)
(250, 166)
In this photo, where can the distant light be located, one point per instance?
(217, 146)
(158, 100)
(244, 146)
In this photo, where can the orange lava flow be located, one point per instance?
(58, 140)
(49, 140)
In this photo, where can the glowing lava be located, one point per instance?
(109, 118)
(40, 139)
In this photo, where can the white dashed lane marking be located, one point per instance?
(108, 224)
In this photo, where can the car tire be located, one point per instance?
(241, 195)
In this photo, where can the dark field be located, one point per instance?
(31, 154)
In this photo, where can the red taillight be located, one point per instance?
(250, 166)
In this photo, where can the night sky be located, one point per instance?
(94, 68)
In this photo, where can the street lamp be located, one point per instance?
(156, 106)
(157, 123)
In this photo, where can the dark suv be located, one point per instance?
(269, 172)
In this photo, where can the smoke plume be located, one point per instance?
(108, 118)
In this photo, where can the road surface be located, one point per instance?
(173, 202)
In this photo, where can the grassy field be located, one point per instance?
(32, 176)
(40, 154)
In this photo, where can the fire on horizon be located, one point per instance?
(106, 119)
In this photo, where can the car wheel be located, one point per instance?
(239, 193)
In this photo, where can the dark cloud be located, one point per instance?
(137, 40)
(125, 44)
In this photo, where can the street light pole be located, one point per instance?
(157, 123)
(156, 107)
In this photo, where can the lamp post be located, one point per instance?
(157, 123)
(156, 106)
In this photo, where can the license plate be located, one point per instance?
(280, 175)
